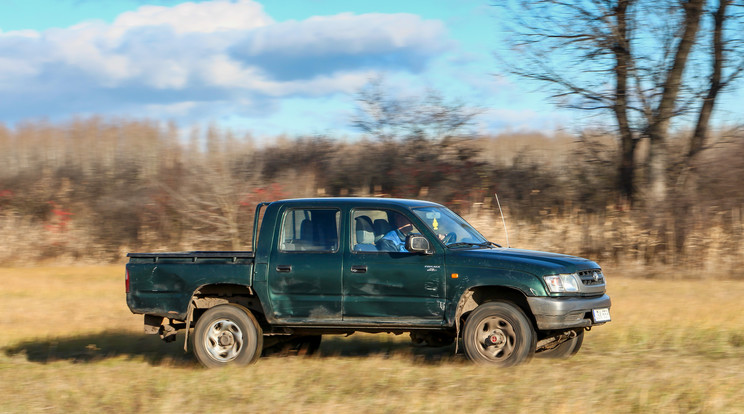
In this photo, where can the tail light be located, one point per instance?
(126, 281)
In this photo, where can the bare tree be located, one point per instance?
(724, 55)
(632, 59)
(386, 116)
(213, 198)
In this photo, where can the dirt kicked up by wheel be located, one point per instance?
(498, 333)
(565, 350)
(227, 335)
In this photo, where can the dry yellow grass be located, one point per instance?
(39, 302)
(69, 344)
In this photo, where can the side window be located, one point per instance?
(380, 231)
(310, 230)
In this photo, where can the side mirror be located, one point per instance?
(418, 244)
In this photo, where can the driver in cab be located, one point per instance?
(395, 239)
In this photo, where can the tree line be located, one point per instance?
(93, 189)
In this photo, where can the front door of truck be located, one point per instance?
(305, 268)
(384, 283)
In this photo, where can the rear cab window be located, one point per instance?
(310, 230)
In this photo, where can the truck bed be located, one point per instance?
(162, 283)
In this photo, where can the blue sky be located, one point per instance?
(269, 67)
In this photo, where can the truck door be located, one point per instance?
(383, 283)
(304, 275)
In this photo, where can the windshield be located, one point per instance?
(450, 228)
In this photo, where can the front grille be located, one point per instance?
(593, 277)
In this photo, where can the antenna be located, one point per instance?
(502, 219)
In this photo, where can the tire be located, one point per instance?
(500, 334)
(565, 350)
(227, 335)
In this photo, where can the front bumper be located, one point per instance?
(564, 313)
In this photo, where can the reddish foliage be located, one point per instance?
(60, 219)
(271, 192)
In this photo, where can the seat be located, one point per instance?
(364, 235)
(307, 235)
(381, 228)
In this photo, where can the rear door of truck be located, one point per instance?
(304, 272)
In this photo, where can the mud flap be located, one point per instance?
(189, 317)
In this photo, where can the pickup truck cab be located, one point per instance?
(344, 265)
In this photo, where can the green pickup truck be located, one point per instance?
(344, 265)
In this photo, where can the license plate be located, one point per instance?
(601, 315)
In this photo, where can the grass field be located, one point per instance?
(68, 343)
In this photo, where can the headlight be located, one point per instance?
(562, 283)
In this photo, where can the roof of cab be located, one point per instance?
(357, 202)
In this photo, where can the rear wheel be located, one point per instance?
(227, 335)
(498, 333)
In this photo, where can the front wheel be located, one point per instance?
(227, 334)
(498, 333)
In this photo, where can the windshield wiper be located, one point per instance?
(468, 244)
(462, 244)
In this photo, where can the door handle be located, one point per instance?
(284, 268)
(358, 269)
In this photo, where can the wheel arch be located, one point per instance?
(210, 295)
(472, 297)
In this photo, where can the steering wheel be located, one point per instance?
(451, 237)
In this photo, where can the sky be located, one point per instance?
(267, 67)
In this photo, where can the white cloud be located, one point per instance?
(14, 70)
(33, 34)
(221, 71)
(190, 17)
(167, 59)
(349, 33)
(171, 74)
